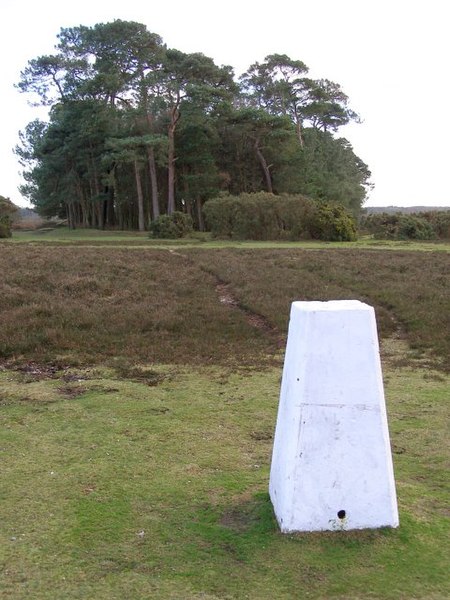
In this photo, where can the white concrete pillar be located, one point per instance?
(332, 463)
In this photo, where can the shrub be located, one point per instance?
(219, 215)
(332, 223)
(173, 226)
(294, 216)
(413, 227)
(399, 226)
(264, 216)
(7, 212)
(440, 222)
(255, 217)
(5, 230)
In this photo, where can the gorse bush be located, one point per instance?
(399, 226)
(264, 216)
(173, 226)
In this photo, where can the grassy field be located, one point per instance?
(138, 394)
(64, 236)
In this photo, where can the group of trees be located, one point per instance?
(137, 129)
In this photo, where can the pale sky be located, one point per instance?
(390, 57)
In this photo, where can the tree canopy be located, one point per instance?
(137, 129)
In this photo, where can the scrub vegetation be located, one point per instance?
(138, 392)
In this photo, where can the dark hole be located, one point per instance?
(341, 514)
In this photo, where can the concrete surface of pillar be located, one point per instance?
(332, 464)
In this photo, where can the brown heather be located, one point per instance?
(88, 305)
(83, 305)
(409, 290)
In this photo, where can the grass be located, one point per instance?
(137, 414)
(113, 488)
(95, 237)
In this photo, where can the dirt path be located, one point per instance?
(225, 295)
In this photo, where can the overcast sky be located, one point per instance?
(390, 57)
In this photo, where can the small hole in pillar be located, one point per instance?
(341, 514)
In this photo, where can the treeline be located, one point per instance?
(137, 130)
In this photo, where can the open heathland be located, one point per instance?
(90, 304)
(409, 290)
(138, 395)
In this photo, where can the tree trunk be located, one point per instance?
(99, 209)
(201, 225)
(140, 195)
(109, 214)
(171, 170)
(70, 216)
(104, 214)
(174, 118)
(152, 164)
(97, 213)
(153, 181)
(298, 129)
(110, 211)
(84, 204)
(265, 167)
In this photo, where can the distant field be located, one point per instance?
(138, 395)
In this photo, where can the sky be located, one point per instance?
(389, 56)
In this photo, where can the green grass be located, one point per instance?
(65, 236)
(113, 489)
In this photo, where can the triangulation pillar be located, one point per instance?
(332, 463)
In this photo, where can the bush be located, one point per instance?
(413, 227)
(258, 216)
(219, 215)
(173, 226)
(5, 230)
(7, 212)
(440, 222)
(294, 215)
(332, 223)
(264, 216)
(399, 226)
